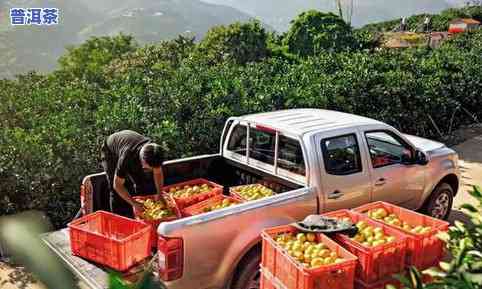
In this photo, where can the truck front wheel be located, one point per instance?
(248, 276)
(440, 202)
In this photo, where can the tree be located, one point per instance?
(238, 42)
(88, 60)
(313, 32)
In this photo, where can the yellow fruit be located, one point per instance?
(299, 255)
(307, 258)
(301, 237)
(361, 225)
(378, 230)
(320, 246)
(339, 260)
(382, 212)
(367, 232)
(333, 255)
(324, 253)
(297, 246)
(328, 260)
(311, 237)
(367, 244)
(378, 242)
(390, 239)
(425, 230)
(317, 262)
(379, 236)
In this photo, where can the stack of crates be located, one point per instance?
(423, 250)
(280, 270)
(377, 262)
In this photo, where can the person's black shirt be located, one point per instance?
(125, 146)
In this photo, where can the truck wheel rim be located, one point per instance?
(441, 206)
(254, 282)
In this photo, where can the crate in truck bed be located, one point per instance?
(188, 193)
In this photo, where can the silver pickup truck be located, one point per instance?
(316, 160)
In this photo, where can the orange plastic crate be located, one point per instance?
(266, 280)
(110, 240)
(155, 223)
(186, 202)
(292, 275)
(423, 250)
(374, 263)
(199, 208)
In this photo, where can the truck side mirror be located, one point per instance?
(421, 158)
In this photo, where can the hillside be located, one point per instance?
(28, 48)
(366, 11)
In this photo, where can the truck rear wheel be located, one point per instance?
(248, 277)
(440, 202)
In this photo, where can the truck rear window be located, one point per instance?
(262, 146)
(237, 142)
(290, 155)
(262, 151)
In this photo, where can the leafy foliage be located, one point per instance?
(464, 271)
(241, 43)
(314, 32)
(180, 93)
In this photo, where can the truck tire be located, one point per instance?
(248, 277)
(440, 202)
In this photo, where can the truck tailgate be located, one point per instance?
(95, 276)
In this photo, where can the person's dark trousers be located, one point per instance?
(117, 204)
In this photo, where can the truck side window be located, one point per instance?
(341, 155)
(290, 156)
(386, 149)
(237, 141)
(261, 146)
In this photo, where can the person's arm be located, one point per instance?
(158, 179)
(120, 188)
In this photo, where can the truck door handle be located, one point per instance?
(335, 195)
(380, 182)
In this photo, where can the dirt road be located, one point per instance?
(470, 153)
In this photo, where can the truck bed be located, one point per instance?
(293, 202)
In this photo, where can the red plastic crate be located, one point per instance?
(266, 280)
(374, 263)
(199, 208)
(186, 202)
(110, 240)
(292, 275)
(423, 250)
(155, 223)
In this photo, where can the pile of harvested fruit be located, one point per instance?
(305, 249)
(370, 236)
(253, 192)
(155, 210)
(224, 204)
(382, 215)
(189, 190)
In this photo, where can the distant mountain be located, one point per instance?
(364, 11)
(152, 20)
(25, 48)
